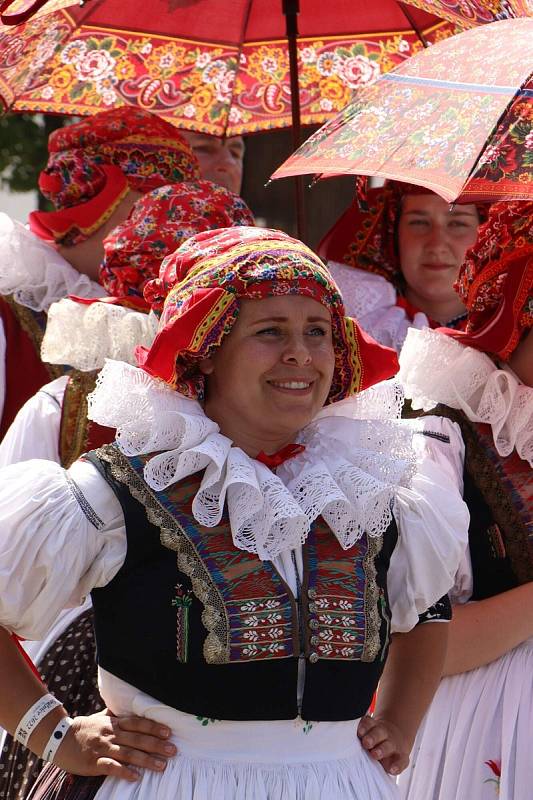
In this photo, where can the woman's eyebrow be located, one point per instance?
(285, 319)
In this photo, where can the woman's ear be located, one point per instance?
(206, 366)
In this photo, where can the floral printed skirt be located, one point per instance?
(475, 741)
(221, 760)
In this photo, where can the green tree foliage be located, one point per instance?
(24, 150)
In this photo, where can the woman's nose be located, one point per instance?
(297, 351)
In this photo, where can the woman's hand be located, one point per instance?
(385, 743)
(103, 744)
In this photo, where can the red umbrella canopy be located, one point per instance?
(456, 118)
(469, 13)
(218, 66)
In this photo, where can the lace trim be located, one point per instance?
(348, 473)
(436, 369)
(371, 300)
(34, 272)
(372, 644)
(102, 330)
(172, 536)
(84, 504)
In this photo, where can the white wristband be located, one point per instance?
(33, 716)
(58, 734)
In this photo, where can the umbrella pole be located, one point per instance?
(290, 10)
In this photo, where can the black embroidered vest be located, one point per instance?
(213, 631)
(499, 495)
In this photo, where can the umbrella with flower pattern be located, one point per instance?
(469, 13)
(456, 118)
(218, 66)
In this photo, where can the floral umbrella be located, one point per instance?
(469, 13)
(456, 118)
(218, 66)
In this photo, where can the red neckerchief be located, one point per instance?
(282, 455)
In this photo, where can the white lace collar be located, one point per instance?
(371, 300)
(357, 454)
(437, 369)
(83, 336)
(34, 272)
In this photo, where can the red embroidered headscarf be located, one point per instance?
(198, 294)
(496, 281)
(158, 224)
(94, 163)
(365, 236)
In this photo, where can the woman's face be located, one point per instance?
(272, 373)
(432, 244)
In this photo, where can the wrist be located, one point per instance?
(44, 730)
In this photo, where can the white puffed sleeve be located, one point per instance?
(34, 433)
(432, 524)
(61, 534)
(3, 348)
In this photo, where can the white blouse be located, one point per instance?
(62, 534)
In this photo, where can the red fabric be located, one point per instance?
(198, 292)
(276, 459)
(158, 224)
(25, 372)
(85, 218)
(148, 151)
(496, 281)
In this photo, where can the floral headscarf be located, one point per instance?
(496, 280)
(158, 224)
(198, 294)
(94, 163)
(366, 237)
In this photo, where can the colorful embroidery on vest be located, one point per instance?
(507, 487)
(344, 608)
(182, 603)
(249, 612)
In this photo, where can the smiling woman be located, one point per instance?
(396, 259)
(262, 532)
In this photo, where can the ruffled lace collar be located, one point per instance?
(102, 330)
(437, 369)
(357, 454)
(371, 300)
(34, 273)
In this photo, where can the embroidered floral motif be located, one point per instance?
(344, 612)
(495, 767)
(248, 610)
(206, 721)
(182, 603)
(220, 89)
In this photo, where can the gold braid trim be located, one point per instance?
(74, 429)
(26, 319)
(174, 537)
(495, 494)
(372, 643)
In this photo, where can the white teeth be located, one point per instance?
(292, 384)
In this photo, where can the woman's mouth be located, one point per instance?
(291, 386)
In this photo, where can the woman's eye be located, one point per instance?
(268, 332)
(455, 223)
(418, 222)
(317, 332)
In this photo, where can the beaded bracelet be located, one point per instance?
(58, 734)
(33, 716)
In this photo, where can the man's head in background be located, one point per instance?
(221, 160)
